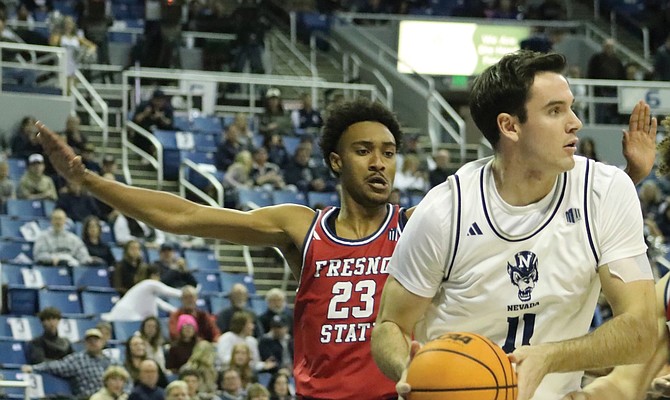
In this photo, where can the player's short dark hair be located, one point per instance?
(504, 88)
(341, 116)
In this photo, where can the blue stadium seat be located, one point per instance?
(74, 329)
(291, 143)
(95, 303)
(12, 250)
(151, 255)
(228, 279)
(55, 387)
(11, 274)
(125, 329)
(181, 123)
(67, 301)
(322, 198)
(48, 206)
(5, 329)
(117, 251)
(208, 281)
(250, 199)
(205, 158)
(415, 199)
(25, 208)
(171, 153)
(22, 300)
(205, 142)
(258, 305)
(17, 167)
(201, 260)
(54, 276)
(20, 327)
(85, 277)
(288, 196)
(10, 228)
(13, 354)
(207, 124)
(13, 375)
(218, 303)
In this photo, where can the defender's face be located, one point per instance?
(548, 138)
(366, 162)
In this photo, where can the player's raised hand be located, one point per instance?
(639, 142)
(531, 367)
(62, 157)
(402, 387)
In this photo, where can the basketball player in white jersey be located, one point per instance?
(517, 246)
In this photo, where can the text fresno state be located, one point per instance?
(359, 266)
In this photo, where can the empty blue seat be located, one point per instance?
(11, 274)
(201, 260)
(13, 354)
(16, 252)
(250, 199)
(17, 167)
(318, 199)
(55, 387)
(125, 329)
(288, 196)
(10, 228)
(22, 300)
(208, 281)
(228, 279)
(67, 301)
(20, 327)
(205, 142)
(54, 276)
(182, 123)
(171, 153)
(13, 375)
(218, 303)
(207, 124)
(85, 277)
(74, 329)
(95, 303)
(152, 255)
(291, 143)
(258, 305)
(25, 208)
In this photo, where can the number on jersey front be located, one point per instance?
(513, 328)
(363, 293)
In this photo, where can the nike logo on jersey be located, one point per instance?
(474, 230)
(573, 215)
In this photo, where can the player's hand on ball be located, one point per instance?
(531, 367)
(402, 387)
(661, 385)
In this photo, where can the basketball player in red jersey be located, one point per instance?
(339, 255)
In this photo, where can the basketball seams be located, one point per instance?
(495, 378)
(502, 364)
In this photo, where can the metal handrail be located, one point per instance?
(184, 183)
(296, 53)
(156, 162)
(101, 120)
(17, 384)
(51, 51)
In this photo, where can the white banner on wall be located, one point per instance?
(658, 99)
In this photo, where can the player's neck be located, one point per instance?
(518, 185)
(356, 221)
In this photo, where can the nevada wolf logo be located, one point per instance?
(524, 273)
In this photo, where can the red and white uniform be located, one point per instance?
(335, 310)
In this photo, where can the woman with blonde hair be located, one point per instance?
(77, 47)
(176, 390)
(202, 360)
(241, 361)
(114, 379)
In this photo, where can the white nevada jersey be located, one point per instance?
(529, 289)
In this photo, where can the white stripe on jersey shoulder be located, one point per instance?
(308, 239)
(347, 242)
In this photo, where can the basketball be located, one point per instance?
(461, 366)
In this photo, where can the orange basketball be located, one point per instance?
(461, 366)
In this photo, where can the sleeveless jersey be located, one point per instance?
(517, 290)
(335, 310)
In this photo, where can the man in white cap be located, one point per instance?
(34, 185)
(84, 369)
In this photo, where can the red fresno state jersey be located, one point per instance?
(335, 310)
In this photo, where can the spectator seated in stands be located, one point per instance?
(57, 246)
(126, 270)
(206, 327)
(182, 347)
(411, 178)
(280, 386)
(241, 121)
(91, 234)
(73, 134)
(241, 331)
(228, 148)
(77, 203)
(238, 176)
(34, 184)
(151, 332)
(305, 175)
(239, 301)
(146, 388)
(136, 354)
(274, 119)
(275, 299)
(114, 381)
(231, 385)
(126, 229)
(277, 344)
(443, 168)
(242, 361)
(143, 299)
(24, 141)
(264, 173)
(49, 346)
(306, 119)
(256, 391)
(173, 271)
(277, 152)
(193, 381)
(7, 186)
(203, 360)
(113, 353)
(84, 369)
(178, 390)
(89, 160)
(20, 76)
(156, 113)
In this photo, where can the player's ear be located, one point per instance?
(335, 162)
(508, 126)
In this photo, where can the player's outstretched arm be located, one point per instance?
(639, 142)
(392, 347)
(628, 382)
(273, 226)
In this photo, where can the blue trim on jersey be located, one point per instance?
(458, 226)
(359, 242)
(489, 220)
(666, 296)
(587, 213)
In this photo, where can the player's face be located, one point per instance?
(366, 162)
(548, 138)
